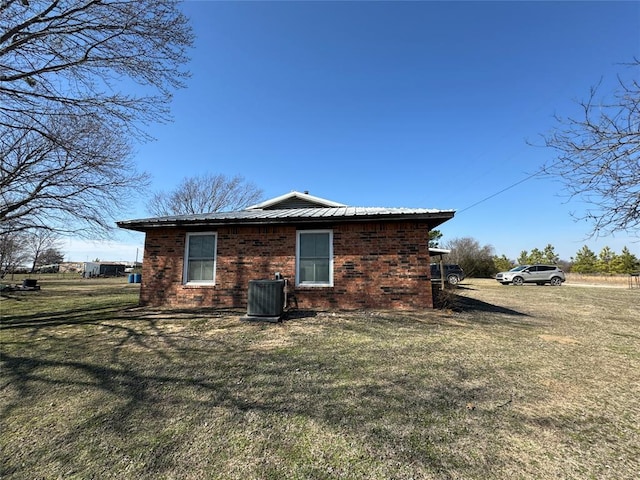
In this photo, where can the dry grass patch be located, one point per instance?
(602, 280)
(529, 382)
(562, 340)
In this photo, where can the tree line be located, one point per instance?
(481, 260)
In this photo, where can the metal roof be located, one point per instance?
(438, 252)
(257, 216)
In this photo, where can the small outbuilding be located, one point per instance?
(332, 256)
(102, 269)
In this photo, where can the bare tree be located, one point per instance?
(74, 180)
(13, 253)
(476, 260)
(42, 246)
(599, 156)
(66, 124)
(205, 194)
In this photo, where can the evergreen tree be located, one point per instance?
(536, 256)
(550, 255)
(523, 259)
(434, 238)
(605, 258)
(502, 263)
(584, 261)
(626, 262)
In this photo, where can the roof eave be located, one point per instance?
(433, 219)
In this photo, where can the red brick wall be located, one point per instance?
(376, 265)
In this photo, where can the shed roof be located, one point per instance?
(281, 211)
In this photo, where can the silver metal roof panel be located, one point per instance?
(257, 216)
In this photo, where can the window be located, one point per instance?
(314, 258)
(200, 258)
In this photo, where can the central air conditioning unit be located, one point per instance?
(266, 299)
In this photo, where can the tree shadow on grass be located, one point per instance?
(74, 316)
(450, 299)
(157, 403)
(78, 316)
(467, 304)
(143, 380)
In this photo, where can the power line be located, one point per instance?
(502, 191)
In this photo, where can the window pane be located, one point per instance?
(321, 271)
(202, 246)
(322, 245)
(314, 271)
(195, 247)
(307, 247)
(200, 270)
(306, 271)
(314, 245)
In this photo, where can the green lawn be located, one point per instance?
(509, 382)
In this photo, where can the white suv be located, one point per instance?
(539, 274)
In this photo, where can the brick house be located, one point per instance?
(332, 256)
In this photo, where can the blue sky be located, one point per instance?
(395, 104)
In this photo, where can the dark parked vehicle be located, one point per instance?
(453, 273)
(539, 274)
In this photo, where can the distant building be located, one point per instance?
(102, 269)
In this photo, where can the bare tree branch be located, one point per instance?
(205, 194)
(73, 180)
(599, 157)
(67, 123)
(13, 253)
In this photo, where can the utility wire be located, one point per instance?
(502, 191)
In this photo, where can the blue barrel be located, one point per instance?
(138, 278)
(131, 278)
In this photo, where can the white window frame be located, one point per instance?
(185, 272)
(314, 284)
